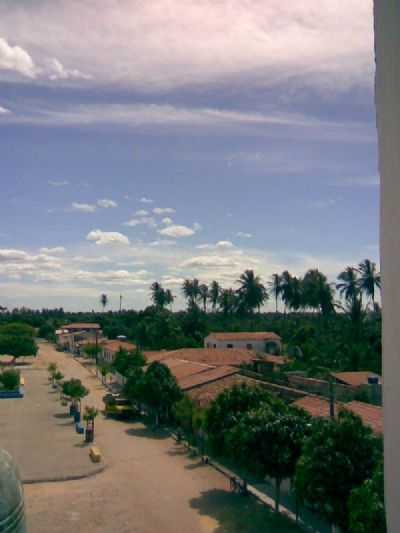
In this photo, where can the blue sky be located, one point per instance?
(160, 140)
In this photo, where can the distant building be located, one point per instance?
(111, 348)
(208, 356)
(72, 336)
(260, 341)
(357, 379)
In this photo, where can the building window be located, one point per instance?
(249, 346)
(229, 345)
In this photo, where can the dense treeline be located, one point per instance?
(323, 325)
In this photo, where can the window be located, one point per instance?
(229, 345)
(249, 346)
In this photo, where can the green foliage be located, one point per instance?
(90, 413)
(160, 390)
(75, 389)
(228, 408)
(91, 350)
(338, 457)
(133, 388)
(126, 361)
(10, 380)
(17, 329)
(46, 331)
(183, 412)
(17, 346)
(367, 505)
(251, 293)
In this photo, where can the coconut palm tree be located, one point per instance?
(204, 294)
(191, 291)
(317, 292)
(286, 288)
(214, 293)
(369, 279)
(104, 301)
(348, 286)
(158, 295)
(252, 293)
(169, 297)
(227, 301)
(275, 288)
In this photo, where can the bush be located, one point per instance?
(10, 380)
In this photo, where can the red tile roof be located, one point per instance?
(355, 379)
(371, 415)
(205, 394)
(81, 325)
(214, 374)
(275, 359)
(209, 356)
(244, 336)
(183, 369)
(114, 346)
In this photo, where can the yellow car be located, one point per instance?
(119, 407)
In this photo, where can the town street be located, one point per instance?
(149, 484)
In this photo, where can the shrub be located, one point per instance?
(10, 379)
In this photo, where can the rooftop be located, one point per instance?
(205, 394)
(209, 356)
(244, 336)
(208, 376)
(355, 379)
(116, 345)
(371, 415)
(81, 325)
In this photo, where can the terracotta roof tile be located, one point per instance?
(210, 356)
(81, 325)
(205, 394)
(314, 406)
(115, 345)
(183, 369)
(355, 379)
(214, 374)
(244, 336)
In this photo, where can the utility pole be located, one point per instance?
(120, 303)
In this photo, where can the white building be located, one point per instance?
(260, 341)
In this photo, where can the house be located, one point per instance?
(110, 348)
(72, 336)
(260, 341)
(270, 363)
(357, 379)
(371, 415)
(209, 356)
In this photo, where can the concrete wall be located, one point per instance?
(259, 346)
(387, 45)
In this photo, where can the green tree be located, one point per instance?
(169, 297)
(134, 386)
(104, 301)
(90, 415)
(204, 295)
(191, 291)
(369, 279)
(213, 296)
(275, 288)
(125, 361)
(227, 409)
(160, 391)
(10, 380)
(338, 457)
(227, 301)
(17, 346)
(158, 295)
(252, 293)
(17, 329)
(75, 390)
(367, 505)
(317, 292)
(348, 284)
(270, 439)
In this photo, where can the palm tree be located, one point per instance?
(286, 288)
(275, 287)
(204, 294)
(296, 293)
(215, 291)
(104, 301)
(369, 279)
(348, 286)
(169, 297)
(252, 293)
(191, 291)
(317, 292)
(227, 301)
(158, 295)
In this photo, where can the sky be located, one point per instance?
(145, 140)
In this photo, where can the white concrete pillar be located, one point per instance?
(387, 46)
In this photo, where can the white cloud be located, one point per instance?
(224, 244)
(176, 231)
(91, 260)
(60, 183)
(164, 211)
(55, 251)
(83, 208)
(167, 221)
(319, 42)
(197, 226)
(244, 235)
(163, 243)
(145, 221)
(107, 237)
(145, 200)
(56, 71)
(106, 203)
(16, 59)
(4, 111)
(210, 261)
(141, 213)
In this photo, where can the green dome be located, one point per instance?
(12, 518)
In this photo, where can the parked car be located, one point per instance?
(119, 407)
